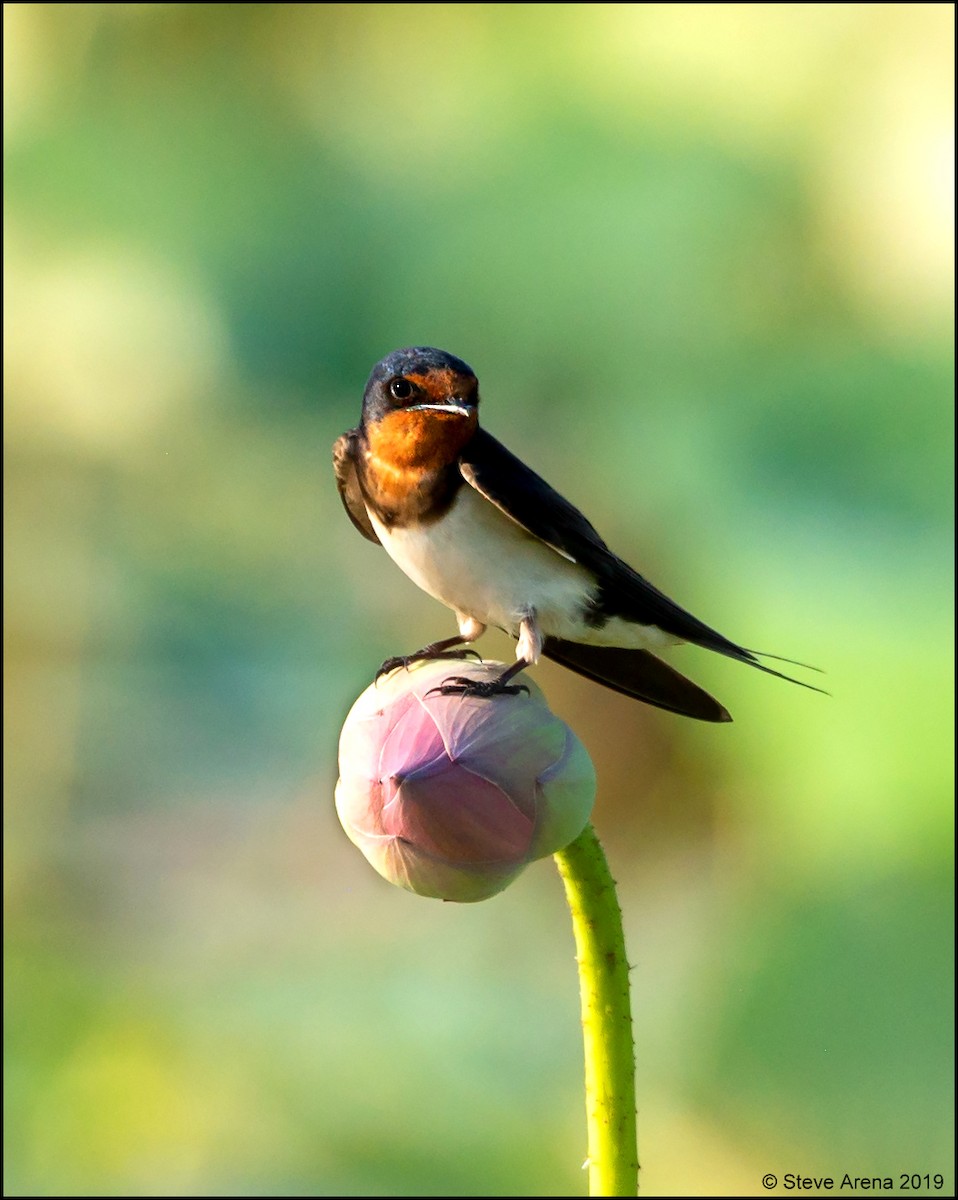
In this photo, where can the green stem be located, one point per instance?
(606, 1016)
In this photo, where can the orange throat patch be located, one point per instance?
(405, 446)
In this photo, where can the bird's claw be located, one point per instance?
(390, 664)
(406, 660)
(460, 685)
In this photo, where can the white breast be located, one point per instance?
(478, 562)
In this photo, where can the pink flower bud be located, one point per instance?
(452, 796)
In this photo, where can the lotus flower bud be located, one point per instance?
(452, 796)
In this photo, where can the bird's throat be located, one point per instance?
(410, 439)
(408, 471)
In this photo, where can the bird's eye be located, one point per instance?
(402, 389)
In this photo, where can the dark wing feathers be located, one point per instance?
(345, 450)
(525, 497)
(528, 500)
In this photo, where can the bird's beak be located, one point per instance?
(455, 405)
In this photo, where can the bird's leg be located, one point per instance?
(469, 630)
(527, 653)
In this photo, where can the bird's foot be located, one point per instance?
(426, 655)
(485, 689)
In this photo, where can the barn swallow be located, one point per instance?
(474, 527)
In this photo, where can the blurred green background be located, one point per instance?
(716, 239)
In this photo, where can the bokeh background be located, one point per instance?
(701, 258)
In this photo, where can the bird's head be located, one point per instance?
(421, 379)
(422, 403)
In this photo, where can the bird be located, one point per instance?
(481, 532)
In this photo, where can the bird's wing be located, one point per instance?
(528, 500)
(345, 451)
